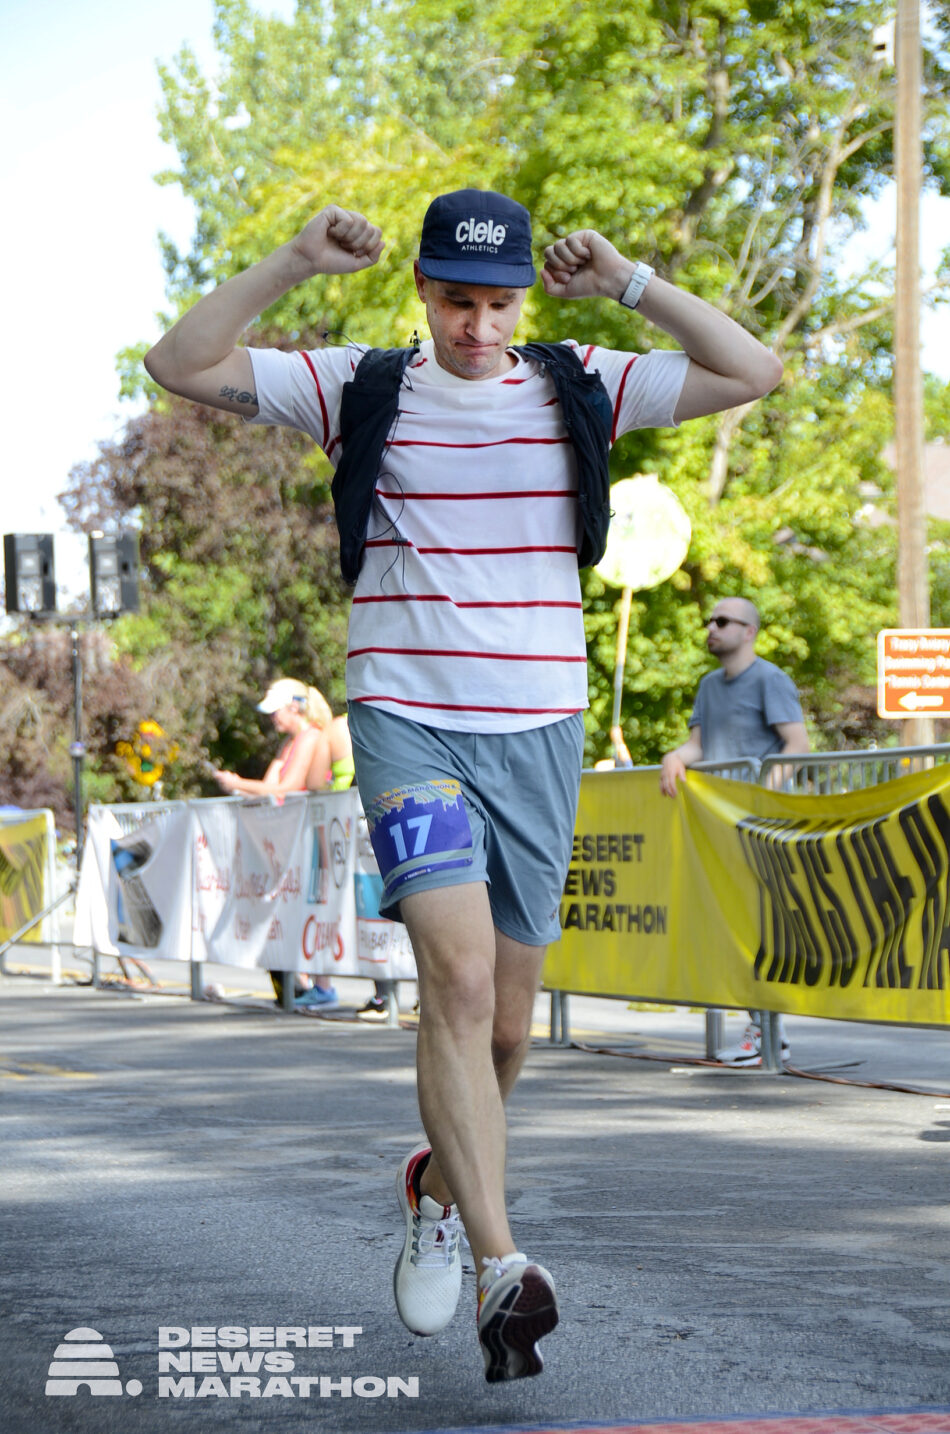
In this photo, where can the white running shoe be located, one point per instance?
(517, 1305)
(749, 1050)
(427, 1279)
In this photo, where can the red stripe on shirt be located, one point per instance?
(451, 652)
(623, 384)
(463, 707)
(323, 407)
(496, 443)
(472, 497)
(469, 552)
(441, 597)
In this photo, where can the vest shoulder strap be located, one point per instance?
(588, 417)
(368, 407)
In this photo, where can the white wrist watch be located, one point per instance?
(642, 274)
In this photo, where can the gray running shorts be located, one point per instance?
(449, 808)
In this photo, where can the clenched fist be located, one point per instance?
(339, 241)
(585, 265)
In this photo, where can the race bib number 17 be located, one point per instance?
(419, 829)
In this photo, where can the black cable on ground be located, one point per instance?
(786, 1070)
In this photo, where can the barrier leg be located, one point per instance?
(287, 993)
(96, 969)
(714, 1034)
(776, 1021)
(197, 977)
(771, 1041)
(33, 922)
(392, 1005)
(565, 1018)
(555, 1030)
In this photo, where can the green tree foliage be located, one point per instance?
(37, 718)
(730, 144)
(240, 553)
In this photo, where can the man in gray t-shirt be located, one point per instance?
(743, 715)
(747, 708)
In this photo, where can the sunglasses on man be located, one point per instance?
(724, 621)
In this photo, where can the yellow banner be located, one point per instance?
(731, 895)
(22, 875)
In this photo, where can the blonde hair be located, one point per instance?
(318, 708)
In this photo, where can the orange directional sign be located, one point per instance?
(913, 672)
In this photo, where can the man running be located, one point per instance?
(466, 670)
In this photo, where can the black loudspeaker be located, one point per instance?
(28, 571)
(114, 573)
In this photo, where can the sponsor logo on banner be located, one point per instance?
(592, 883)
(339, 851)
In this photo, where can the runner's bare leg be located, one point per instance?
(477, 991)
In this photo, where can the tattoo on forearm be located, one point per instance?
(238, 395)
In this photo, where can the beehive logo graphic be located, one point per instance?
(85, 1361)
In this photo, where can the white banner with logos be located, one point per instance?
(289, 887)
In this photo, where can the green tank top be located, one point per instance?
(342, 774)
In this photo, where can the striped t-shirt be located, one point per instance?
(467, 612)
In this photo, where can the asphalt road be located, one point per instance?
(724, 1242)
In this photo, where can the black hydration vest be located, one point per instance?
(369, 406)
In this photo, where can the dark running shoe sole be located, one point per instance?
(523, 1314)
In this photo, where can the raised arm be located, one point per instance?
(728, 366)
(199, 357)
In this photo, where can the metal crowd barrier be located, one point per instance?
(49, 917)
(833, 773)
(743, 769)
(816, 773)
(737, 769)
(129, 817)
(812, 773)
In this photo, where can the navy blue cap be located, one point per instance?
(474, 236)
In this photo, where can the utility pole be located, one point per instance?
(77, 750)
(913, 588)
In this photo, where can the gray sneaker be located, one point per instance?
(517, 1306)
